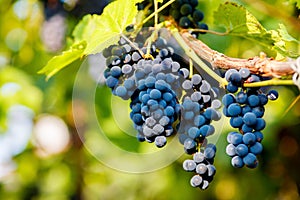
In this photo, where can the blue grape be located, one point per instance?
(155, 94)
(249, 138)
(241, 150)
(228, 99)
(236, 122)
(111, 81)
(245, 73)
(253, 100)
(256, 148)
(230, 150)
(241, 97)
(246, 109)
(235, 78)
(234, 109)
(205, 87)
(245, 128)
(259, 136)
(237, 162)
(193, 132)
(196, 180)
(190, 146)
(169, 111)
(207, 130)
(205, 185)
(250, 160)
(199, 120)
(229, 73)
(258, 111)
(209, 153)
(189, 165)
(211, 169)
(260, 124)
(198, 157)
(229, 136)
(236, 139)
(263, 99)
(115, 71)
(250, 119)
(121, 91)
(273, 95)
(160, 141)
(196, 79)
(198, 15)
(201, 168)
(184, 22)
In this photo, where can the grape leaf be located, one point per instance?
(297, 3)
(84, 28)
(67, 57)
(285, 35)
(239, 22)
(108, 27)
(94, 33)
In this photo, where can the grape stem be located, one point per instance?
(190, 52)
(157, 11)
(261, 65)
(271, 82)
(133, 45)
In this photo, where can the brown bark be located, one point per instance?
(261, 65)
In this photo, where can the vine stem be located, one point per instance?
(195, 57)
(132, 44)
(157, 11)
(272, 82)
(261, 65)
(192, 55)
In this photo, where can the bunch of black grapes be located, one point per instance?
(245, 107)
(184, 12)
(165, 98)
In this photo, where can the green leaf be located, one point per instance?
(94, 33)
(236, 19)
(285, 35)
(106, 29)
(59, 62)
(81, 31)
(239, 22)
(297, 3)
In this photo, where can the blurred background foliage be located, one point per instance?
(42, 155)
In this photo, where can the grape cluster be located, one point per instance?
(155, 84)
(245, 107)
(199, 109)
(152, 85)
(154, 103)
(184, 12)
(202, 164)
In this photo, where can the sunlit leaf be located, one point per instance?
(59, 62)
(108, 27)
(285, 35)
(239, 22)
